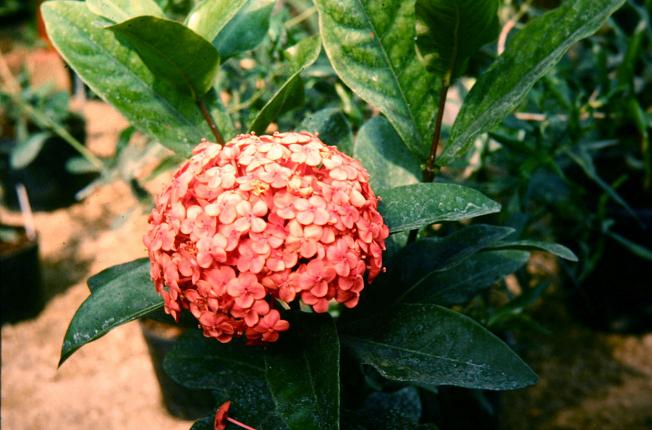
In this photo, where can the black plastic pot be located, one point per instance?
(616, 296)
(49, 185)
(180, 401)
(20, 275)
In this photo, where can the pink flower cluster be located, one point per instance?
(260, 220)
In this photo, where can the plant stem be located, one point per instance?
(210, 121)
(429, 173)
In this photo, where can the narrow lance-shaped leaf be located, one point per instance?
(122, 10)
(429, 344)
(172, 52)
(118, 75)
(27, 150)
(370, 44)
(531, 54)
(115, 300)
(290, 94)
(382, 153)
(413, 206)
(461, 283)
(302, 374)
(449, 32)
(408, 268)
(554, 248)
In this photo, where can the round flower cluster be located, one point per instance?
(263, 219)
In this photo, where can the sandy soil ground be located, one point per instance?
(109, 384)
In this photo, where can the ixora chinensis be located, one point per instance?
(325, 268)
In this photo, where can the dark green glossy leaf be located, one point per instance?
(118, 75)
(115, 300)
(110, 273)
(432, 254)
(450, 31)
(413, 206)
(234, 371)
(382, 153)
(303, 373)
(412, 265)
(531, 54)
(400, 410)
(554, 248)
(370, 45)
(27, 150)
(209, 17)
(461, 283)
(122, 10)
(246, 30)
(290, 94)
(172, 52)
(332, 126)
(266, 385)
(429, 344)
(199, 362)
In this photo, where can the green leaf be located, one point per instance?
(399, 410)
(449, 32)
(554, 248)
(27, 150)
(411, 266)
(413, 206)
(431, 254)
(122, 10)
(332, 126)
(172, 52)
(429, 344)
(246, 29)
(459, 284)
(118, 75)
(209, 17)
(110, 273)
(382, 153)
(290, 94)
(631, 246)
(370, 45)
(266, 385)
(531, 54)
(80, 166)
(303, 374)
(120, 296)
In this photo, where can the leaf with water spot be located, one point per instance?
(414, 206)
(432, 345)
(123, 294)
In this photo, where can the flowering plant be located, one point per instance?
(311, 292)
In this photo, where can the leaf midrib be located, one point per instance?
(377, 40)
(416, 352)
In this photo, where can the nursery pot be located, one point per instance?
(180, 401)
(616, 295)
(20, 273)
(49, 184)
